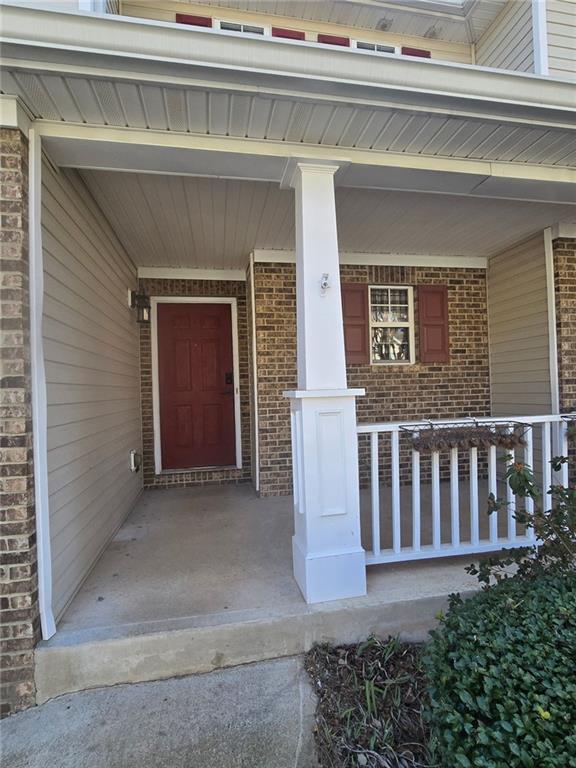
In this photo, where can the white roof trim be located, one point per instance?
(381, 259)
(183, 273)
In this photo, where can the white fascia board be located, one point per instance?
(183, 273)
(379, 259)
(272, 61)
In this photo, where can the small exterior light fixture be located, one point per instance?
(141, 303)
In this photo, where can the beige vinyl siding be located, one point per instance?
(508, 43)
(166, 11)
(518, 328)
(561, 28)
(92, 375)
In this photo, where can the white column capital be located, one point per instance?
(296, 168)
(13, 114)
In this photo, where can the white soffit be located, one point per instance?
(307, 121)
(207, 223)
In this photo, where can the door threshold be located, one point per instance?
(211, 468)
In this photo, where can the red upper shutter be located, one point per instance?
(433, 323)
(356, 325)
(334, 40)
(291, 34)
(420, 52)
(194, 21)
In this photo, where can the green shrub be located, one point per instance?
(502, 677)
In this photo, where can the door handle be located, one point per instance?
(229, 379)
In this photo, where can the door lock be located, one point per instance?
(229, 379)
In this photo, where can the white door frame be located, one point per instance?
(154, 301)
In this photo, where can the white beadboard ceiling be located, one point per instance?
(220, 113)
(183, 221)
(451, 20)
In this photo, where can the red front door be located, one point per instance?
(195, 374)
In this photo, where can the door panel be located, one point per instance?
(195, 364)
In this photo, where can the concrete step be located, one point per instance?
(95, 657)
(255, 716)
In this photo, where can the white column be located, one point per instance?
(329, 562)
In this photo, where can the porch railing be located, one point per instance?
(397, 512)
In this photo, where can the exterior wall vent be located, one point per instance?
(416, 52)
(334, 40)
(290, 34)
(193, 21)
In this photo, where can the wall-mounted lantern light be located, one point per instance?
(141, 303)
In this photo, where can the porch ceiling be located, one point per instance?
(185, 221)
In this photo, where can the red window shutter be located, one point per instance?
(416, 52)
(356, 324)
(194, 21)
(291, 34)
(433, 323)
(334, 40)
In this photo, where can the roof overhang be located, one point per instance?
(239, 107)
(128, 48)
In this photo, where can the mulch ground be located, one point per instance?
(370, 705)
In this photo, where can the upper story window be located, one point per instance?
(233, 26)
(391, 324)
(374, 47)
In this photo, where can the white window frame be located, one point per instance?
(395, 52)
(266, 27)
(409, 324)
(154, 301)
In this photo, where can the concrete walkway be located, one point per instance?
(254, 716)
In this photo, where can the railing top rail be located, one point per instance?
(392, 426)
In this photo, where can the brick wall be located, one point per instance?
(402, 392)
(20, 626)
(208, 288)
(565, 283)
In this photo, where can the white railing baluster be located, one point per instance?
(553, 430)
(546, 466)
(436, 525)
(564, 452)
(493, 489)
(416, 508)
(511, 498)
(375, 488)
(529, 461)
(454, 497)
(474, 520)
(396, 521)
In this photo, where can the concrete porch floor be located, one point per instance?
(201, 578)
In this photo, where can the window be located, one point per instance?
(231, 26)
(375, 47)
(391, 315)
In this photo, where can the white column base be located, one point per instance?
(329, 562)
(327, 577)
